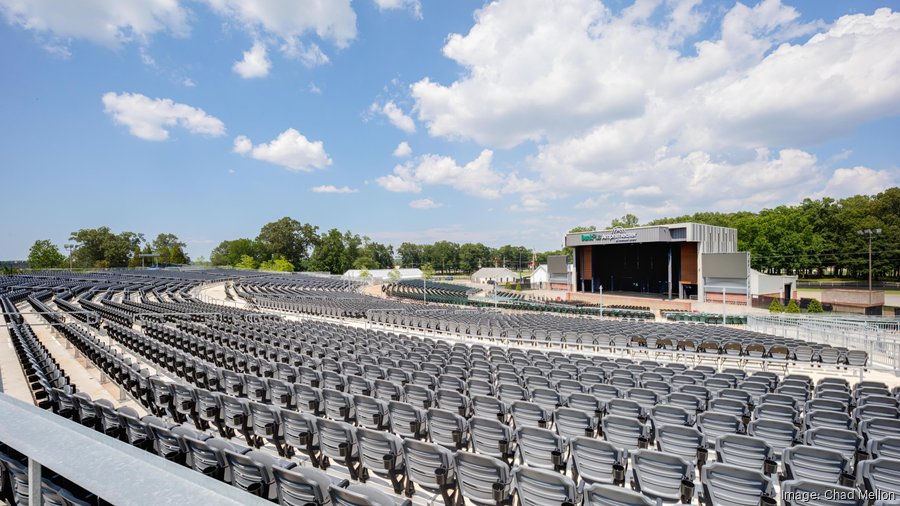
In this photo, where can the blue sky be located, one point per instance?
(522, 118)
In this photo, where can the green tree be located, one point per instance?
(814, 306)
(382, 255)
(170, 249)
(99, 247)
(792, 307)
(230, 252)
(410, 255)
(277, 263)
(627, 221)
(474, 256)
(246, 262)
(365, 263)
(394, 275)
(329, 254)
(45, 255)
(427, 271)
(289, 238)
(178, 256)
(775, 306)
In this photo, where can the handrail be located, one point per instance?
(105, 466)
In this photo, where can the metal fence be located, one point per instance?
(105, 466)
(879, 337)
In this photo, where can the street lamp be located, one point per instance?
(869, 232)
(70, 247)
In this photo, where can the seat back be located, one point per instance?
(539, 487)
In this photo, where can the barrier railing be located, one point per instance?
(115, 471)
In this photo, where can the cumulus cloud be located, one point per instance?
(402, 150)
(414, 6)
(328, 188)
(425, 204)
(290, 150)
(254, 64)
(395, 115)
(616, 102)
(150, 119)
(107, 22)
(846, 182)
(333, 20)
(476, 178)
(528, 204)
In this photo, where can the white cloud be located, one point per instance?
(528, 204)
(590, 203)
(414, 6)
(309, 54)
(107, 22)
(312, 88)
(290, 150)
(425, 204)
(333, 20)
(402, 150)
(254, 64)
(187, 82)
(328, 188)
(395, 115)
(857, 181)
(475, 178)
(616, 103)
(150, 119)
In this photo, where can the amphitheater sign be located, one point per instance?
(615, 235)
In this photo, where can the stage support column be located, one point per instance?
(670, 272)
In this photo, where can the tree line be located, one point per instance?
(101, 248)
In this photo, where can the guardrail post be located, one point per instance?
(34, 483)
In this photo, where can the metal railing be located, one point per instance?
(879, 338)
(113, 470)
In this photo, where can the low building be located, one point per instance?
(541, 278)
(498, 275)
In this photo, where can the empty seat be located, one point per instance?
(252, 472)
(539, 487)
(300, 486)
(596, 461)
(843, 441)
(815, 464)
(744, 451)
(685, 442)
(362, 495)
(817, 493)
(541, 448)
(448, 429)
(571, 423)
(492, 437)
(659, 475)
(381, 453)
(609, 495)
(714, 425)
(431, 467)
(884, 447)
(734, 486)
(878, 478)
(337, 441)
(483, 479)
(776, 433)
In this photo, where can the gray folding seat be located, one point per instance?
(511, 393)
(747, 452)
(88, 413)
(381, 453)
(879, 478)
(541, 448)
(169, 442)
(232, 382)
(339, 406)
(644, 397)
(571, 423)
(419, 395)
(756, 390)
(879, 427)
(725, 484)
(357, 385)
(539, 487)
(267, 426)
(816, 493)
(451, 400)
(566, 387)
(884, 400)
(870, 411)
(301, 434)
(776, 412)
(282, 393)
(700, 392)
(448, 429)
(364, 495)
(252, 472)
(825, 405)
(431, 467)
(888, 446)
(737, 395)
(846, 442)
(623, 382)
(407, 421)
(778, 398)
(310, 399)
(388, 390)
(685, 442)
(689, 402)
(546, 397)
(606, 392)
(537, 381)
(667, 414)
(835, 395)
(804, 462)
(660, 476)
(337, 442)
(857, 358)
(626, 407)
(257, 389)
(599, 494)
(301, 486)
(714, 425)
(814, 419)
(371, 413)
(491, 437)
(586, 402)
(483, 479)
(625, 432)
(309, 377)
(596, 461)
(729, 406)
(530, 414)
(485, 406)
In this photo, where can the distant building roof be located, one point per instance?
(494, 272)
(385, 273)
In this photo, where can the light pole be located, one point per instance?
(70, 247)
(869, 232)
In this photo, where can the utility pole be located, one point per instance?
(70, 247)
(869, 232)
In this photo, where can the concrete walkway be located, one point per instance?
(12, 378)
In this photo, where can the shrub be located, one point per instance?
(792, 307)
(518, 287)
(814, 306)
(775, 306)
